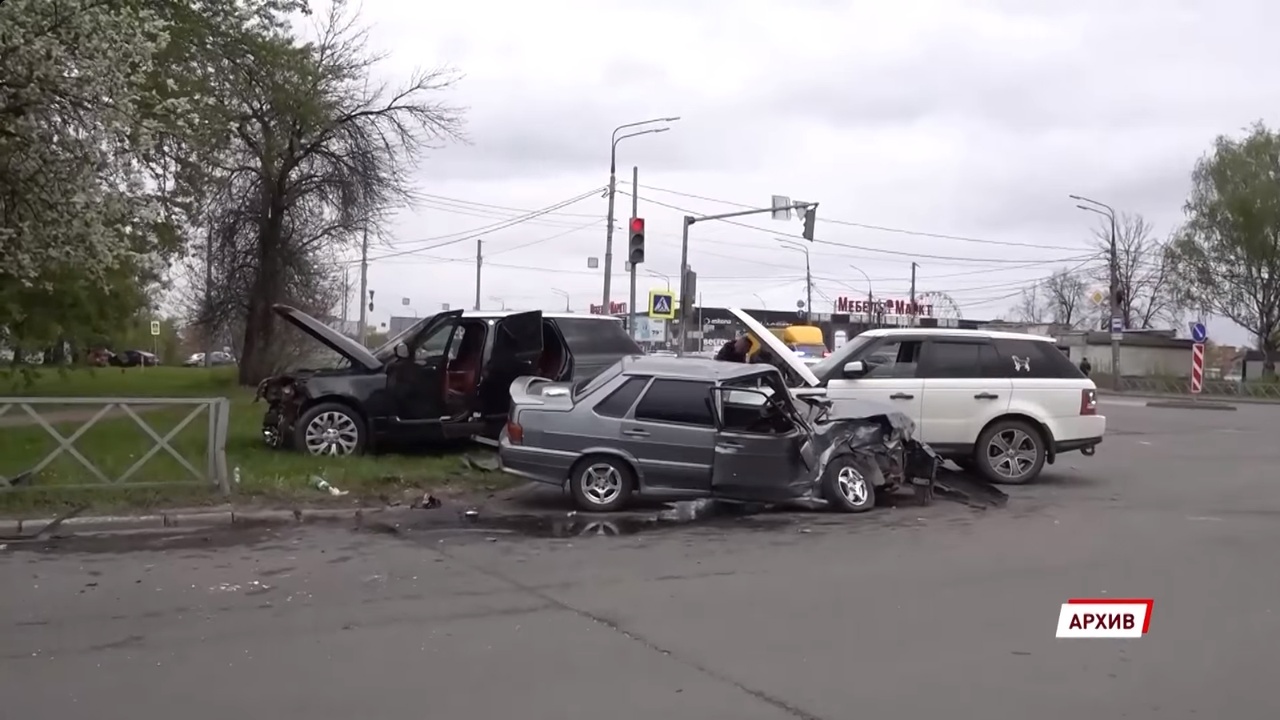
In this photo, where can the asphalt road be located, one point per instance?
(904, 613)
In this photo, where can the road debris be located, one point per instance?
(324, 486)
(426, 502)
(489, 464)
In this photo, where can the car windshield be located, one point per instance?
(386, 350)
(841, 355)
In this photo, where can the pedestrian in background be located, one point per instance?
(1085, 367)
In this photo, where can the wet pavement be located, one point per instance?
(900, 613)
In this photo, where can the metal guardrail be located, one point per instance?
(218, 409)
(1257, 390)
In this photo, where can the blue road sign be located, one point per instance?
(662, 304)
(1117, 324)
(1198, 332)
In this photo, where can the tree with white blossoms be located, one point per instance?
(75, 211)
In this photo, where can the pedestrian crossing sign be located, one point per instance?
(662, 304)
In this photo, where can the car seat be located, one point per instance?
(464, 370)
(551, 362)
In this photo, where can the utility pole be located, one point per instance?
(346, 292)
(808, 290)
(635, 210)
(913, 293)
(208, 298)
(364, 284)
(613, 189)
(1118, 319)
(479, 263)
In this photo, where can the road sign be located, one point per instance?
(662, 304)
(1117, 324)
(1197, 367)
(1097, 297)
(155, 327)
(1199, 333)
(781, 205)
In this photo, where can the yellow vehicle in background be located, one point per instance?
(804, 340)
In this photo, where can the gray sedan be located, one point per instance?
(683, 428)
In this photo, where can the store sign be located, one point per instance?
(882, 307)
(615, 308)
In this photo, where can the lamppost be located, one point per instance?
(1117, 328)
(868, 279)
(763, 304)
(501, 303)
(564, 295)
(808, 277)
(661, 276)
(614, 139)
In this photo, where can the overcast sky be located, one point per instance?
(972, 119)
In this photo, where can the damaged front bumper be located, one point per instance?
(281, 395)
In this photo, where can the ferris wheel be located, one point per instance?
(943, 305)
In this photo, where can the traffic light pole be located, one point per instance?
(684, 254)
(635, 208)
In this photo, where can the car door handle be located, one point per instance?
(636, 433)
(985, 396)
(731, 445)
(901, 396)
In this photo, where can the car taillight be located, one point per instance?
(826, 353)
(1089, 402)
(515, 433)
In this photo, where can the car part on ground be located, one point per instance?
(680, 428)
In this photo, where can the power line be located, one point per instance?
(879, 228)
(481, 231)
(518, 211)
(865, 248)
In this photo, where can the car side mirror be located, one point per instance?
(401, 351)
(855, 369)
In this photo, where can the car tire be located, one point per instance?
(1010, 452)
(600, 483)
(846, 487)
(331, 429)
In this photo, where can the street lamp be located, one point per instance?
(661, 276)
(1109, 212)
(808, 278)
(501, 303)
(614, 139)
(564, 295)
(763, 304)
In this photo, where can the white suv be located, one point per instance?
(1000, 403)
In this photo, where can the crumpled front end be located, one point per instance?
(887, 451)
(283, 395)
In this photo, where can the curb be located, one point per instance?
(1190, 405)
(184, 519)
(1184, 398)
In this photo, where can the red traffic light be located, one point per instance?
(637, 226)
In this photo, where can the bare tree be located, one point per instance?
(1064, 293)
(318, 156)
(1033, 306)
(1144, 273)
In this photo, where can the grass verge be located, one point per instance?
(268, 478)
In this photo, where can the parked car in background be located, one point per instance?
(1003, 404)
(132, 358)
(219, 357)
(445, 377)
(681, 428)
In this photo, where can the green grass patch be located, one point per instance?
(116, 442)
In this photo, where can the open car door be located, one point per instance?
(762, 453)
(517, 346)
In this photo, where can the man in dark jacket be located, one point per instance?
(1085, 366)
(735, 350)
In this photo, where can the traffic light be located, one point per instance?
(636, 253)
(810, 217)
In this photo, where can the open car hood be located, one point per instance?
(357, 354)
(777, 347)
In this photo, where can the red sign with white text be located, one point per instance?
(882, 307)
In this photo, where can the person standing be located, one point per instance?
(1085, 366)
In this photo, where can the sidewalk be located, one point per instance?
(1188, 396)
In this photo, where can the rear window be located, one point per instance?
(597, 337)
(587, 385)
